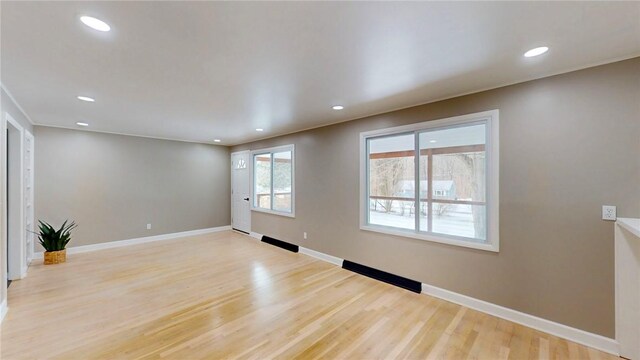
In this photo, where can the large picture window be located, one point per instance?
(273, 180)
(436, 180)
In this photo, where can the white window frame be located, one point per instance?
(492, 150)
(272, 150)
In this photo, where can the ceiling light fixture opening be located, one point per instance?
(86, 98)
(338, 107)
(259, 129)
(82, 124)
(536, 51)
(95, 24)
(216, 140)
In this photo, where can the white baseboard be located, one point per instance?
(563, 331)
(321, 256)
(136, 241)
(303, 250)
(3, 309)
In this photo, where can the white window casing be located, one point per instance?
(491, 121)
(271, 151)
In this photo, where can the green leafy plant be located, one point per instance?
(52, 239)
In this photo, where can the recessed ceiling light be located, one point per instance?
(433, 141)
(94, 23)
(82, 124)
(537, 51)
(86, 98)
(338, 107)
(216, 140)
(259, 129)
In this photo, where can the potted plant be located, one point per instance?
(55, 241)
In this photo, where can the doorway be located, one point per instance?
(241, 191)
(14, 206)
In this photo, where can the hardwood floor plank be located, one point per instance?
(225, 295)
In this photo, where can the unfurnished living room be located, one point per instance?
(320, 180)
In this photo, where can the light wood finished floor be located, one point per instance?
(226, 295)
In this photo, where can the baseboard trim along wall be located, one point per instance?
(136, 241)
(582, 337)
(3, 309)
(316, 254)
(322, 256)
(23, 273)
(563, 331)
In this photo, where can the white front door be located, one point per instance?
(241, 191)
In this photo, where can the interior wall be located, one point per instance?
(112, 186)
(568, 145)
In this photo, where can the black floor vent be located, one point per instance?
(280, 243)
(392, 279)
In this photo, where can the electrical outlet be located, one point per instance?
(608, 212)
(148, 226)
(305, 235)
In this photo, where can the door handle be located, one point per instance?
(246, 199)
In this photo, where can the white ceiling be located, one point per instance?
(197, 71)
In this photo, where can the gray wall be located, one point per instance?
(568, 144)
(113, 185)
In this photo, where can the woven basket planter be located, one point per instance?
(55, 257)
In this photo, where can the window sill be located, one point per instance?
(493, 247)
(274, 212)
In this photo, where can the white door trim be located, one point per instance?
(17, 246)
(29, 193)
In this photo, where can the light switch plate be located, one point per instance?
(608, 212)
(148, 226)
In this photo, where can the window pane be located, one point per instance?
(457, 172)
(464, 220)
(282, 175)
(453, 137)
(459, 176)
(392, 181)
(262, 178)
(423, 212)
